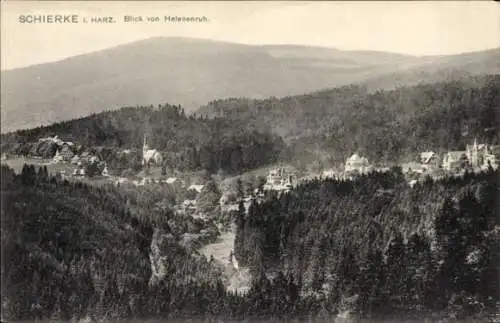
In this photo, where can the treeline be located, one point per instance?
(376, 246)
(383, 126)
(186, 143)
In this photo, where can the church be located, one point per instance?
(150, 156)
(481, 156)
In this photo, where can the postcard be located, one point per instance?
(250, 161)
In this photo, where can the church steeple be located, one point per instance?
(145, 145)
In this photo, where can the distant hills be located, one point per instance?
(192, 72)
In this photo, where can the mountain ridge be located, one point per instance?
(190, 72)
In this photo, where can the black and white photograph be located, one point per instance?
(250, 161)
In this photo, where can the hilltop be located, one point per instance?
(192, 72)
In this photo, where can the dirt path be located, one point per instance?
(236, 280)
(220, 249)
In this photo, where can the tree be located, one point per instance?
(261, 182)
(239, 189)
(396, 270)
(92, 169)
(28, 174)
(209, 197)
(370, 283)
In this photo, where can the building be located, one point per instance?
(75, 160)
(58, 141)
(329, 174)
(150, 156)
(105, 171)
(476, 154)
(357, 164)
(482, 156)
(430, 159)
(79, 171)
(490, 160)
(171, 180)
(196, 188)
(455, 160)
(280, 179)
(63, 154)
(189, 205)
(412, 167)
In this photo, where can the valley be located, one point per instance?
(223, 181)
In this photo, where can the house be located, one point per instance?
(63, 154)
(189, 205)
(196, 188)
(171, 180)
(455, 160)
(412, 167)
(137, 182)
(105, 171)
(75, 160)
(80, 171)
(58, 158)
(93, 159)
(120, 180)
(430, 159)
(356, 163)
(280, 179)
(58, 141)
(329, 174)
(147, 180)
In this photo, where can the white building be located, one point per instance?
(105, 171)
(171, 180)
(455, 160)
(481, 156)
(279, 180)
(329, 174)
(150, 156)
(430, 159)
(356, 163)
(195, 187)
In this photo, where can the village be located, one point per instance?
(89, 164)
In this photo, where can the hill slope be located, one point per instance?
(385, 125)
(186, 143)
(83, 251)
(189, 72)
(441, 68)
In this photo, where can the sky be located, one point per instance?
(416, 28)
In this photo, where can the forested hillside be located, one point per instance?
(187, 143)
(369, 246)
(73, 250)
(381, 244)
(384, 126)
